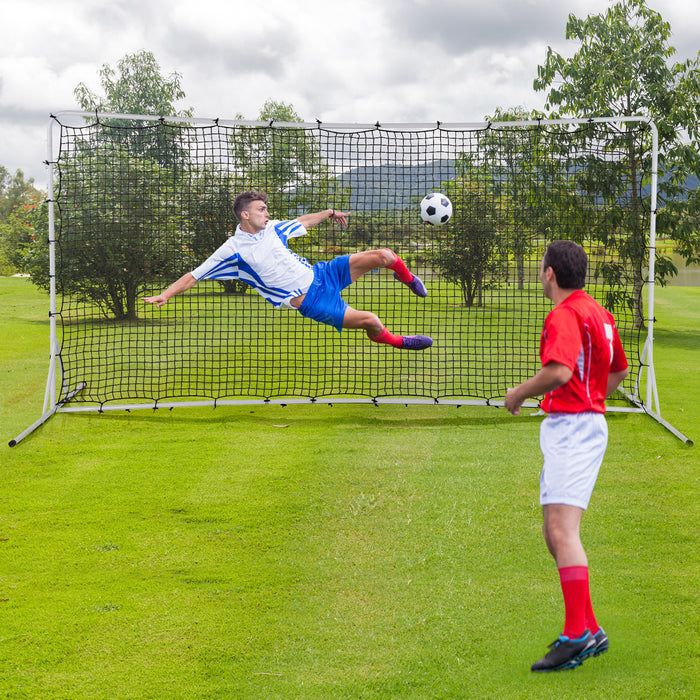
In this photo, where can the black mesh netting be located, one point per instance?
(141, 202)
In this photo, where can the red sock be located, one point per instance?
(591, 622)
(399, 267)
(388, 339)
(574, 586)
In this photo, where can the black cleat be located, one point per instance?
(565, 653)
(602, 643)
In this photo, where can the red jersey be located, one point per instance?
(581, 334)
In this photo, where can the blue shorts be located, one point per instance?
(323, 302)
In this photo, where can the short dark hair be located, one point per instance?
(244, 199)
(569, 262)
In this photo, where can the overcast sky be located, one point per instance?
(343, 61)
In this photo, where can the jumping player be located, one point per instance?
(582, 363)
(258, 254)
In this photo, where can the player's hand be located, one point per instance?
(513, 402)
(339, 216)
(158, 300)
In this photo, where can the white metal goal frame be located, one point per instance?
(647, 403)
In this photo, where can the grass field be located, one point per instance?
(211, 345)
(333, 552)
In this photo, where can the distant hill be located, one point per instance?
(691, 183)
(394, 186)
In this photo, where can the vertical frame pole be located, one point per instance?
(50, 395)
(652, 394)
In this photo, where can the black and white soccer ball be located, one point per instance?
(435, 209)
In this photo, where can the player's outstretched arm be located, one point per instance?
(187, 281)
(309, 220)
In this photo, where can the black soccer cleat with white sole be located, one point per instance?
(565, 653)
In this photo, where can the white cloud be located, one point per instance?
(341, 61)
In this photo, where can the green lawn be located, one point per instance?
(210, 345)
(333, 552)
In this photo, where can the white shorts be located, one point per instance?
(573, 446)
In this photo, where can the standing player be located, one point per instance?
(582, 363)
(258, 254)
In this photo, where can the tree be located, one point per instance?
(14, 190)
(470, 252)
(135, 87)
(287, 163)
(622, 68)
(20, 223)
(117, 233)
(517, 157)
(118, 209)
(138, 87)
(26, 226)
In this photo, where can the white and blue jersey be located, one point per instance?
(262, 260)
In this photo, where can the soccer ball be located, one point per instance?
(435, 209)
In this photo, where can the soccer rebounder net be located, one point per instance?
(137, 201)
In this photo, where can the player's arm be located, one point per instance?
(550, 377)
(309, 220)
(187, 281)
(618, 365)
(614, 380)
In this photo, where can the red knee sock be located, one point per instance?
(591, 622)
(399, 267)
(574, 586)
(388, 339)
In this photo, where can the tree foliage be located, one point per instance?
(135, 87)
(118, 234)
(22, 219)
(623, 68)
(119, 215)
(24, 228)
(14, 190)
(288, 166)
(471, 251)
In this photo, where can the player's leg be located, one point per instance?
(562, 534)
(364, 262)
(376, 332)
(562, 527)
(567, 482)
(561, 531)
(573, 446)
(324, 303)
(368, 260)
(363, 320)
